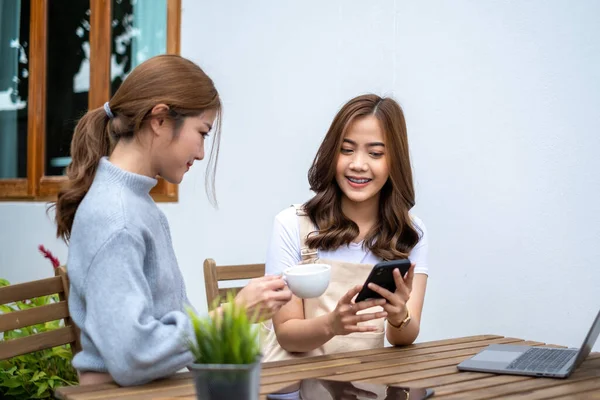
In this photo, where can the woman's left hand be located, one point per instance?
(396, 302)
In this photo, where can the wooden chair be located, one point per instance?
(213, 275)
(59, 284)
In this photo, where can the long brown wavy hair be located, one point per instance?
(166, 79)
(393, 236)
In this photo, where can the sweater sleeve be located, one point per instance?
(135, 346)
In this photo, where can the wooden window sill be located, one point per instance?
(16, 190)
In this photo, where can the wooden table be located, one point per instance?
(429, 364)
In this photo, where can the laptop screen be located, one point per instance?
(589, 341)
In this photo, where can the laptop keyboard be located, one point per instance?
(542, 360)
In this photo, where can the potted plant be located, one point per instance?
(35, 375)
(227, 358)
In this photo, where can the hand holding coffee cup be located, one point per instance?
(308, 280)
(265, 295)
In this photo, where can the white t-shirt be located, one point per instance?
(284, 248)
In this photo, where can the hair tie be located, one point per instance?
(107, 110)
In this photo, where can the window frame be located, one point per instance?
(37, 186)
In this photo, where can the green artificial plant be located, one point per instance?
(228, 337)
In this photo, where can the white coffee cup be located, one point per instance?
(308, 280)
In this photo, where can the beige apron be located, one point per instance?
(344, 276)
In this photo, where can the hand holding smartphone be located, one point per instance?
(382, 275)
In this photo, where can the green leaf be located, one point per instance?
(48, 326)
(17, 392)
(23, 306)
(62, 352)
(40, 301)
(6, 309)
(10, 384)
(42, 388)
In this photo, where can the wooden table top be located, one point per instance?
(425, 365)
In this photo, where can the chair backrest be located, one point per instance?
(59, 284)
(213, 275)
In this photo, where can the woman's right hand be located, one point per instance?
(344, 320)
(264, 296)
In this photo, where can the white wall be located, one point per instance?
(501, 100)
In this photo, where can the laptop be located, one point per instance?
(531, 360)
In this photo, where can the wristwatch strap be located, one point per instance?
(403, 323)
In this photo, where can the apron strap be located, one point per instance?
(306, 227)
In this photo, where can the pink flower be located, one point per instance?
(47, 254)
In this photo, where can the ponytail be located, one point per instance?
(90, 143)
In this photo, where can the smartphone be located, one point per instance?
(382, 275)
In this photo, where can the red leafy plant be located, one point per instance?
(48, 254)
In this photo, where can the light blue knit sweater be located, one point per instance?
(127, 292)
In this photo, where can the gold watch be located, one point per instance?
(403, 323)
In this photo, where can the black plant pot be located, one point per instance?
(227, 381)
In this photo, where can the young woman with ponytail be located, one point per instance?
(127, 292)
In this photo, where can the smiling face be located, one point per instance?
(362, 167)
(175, 154)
